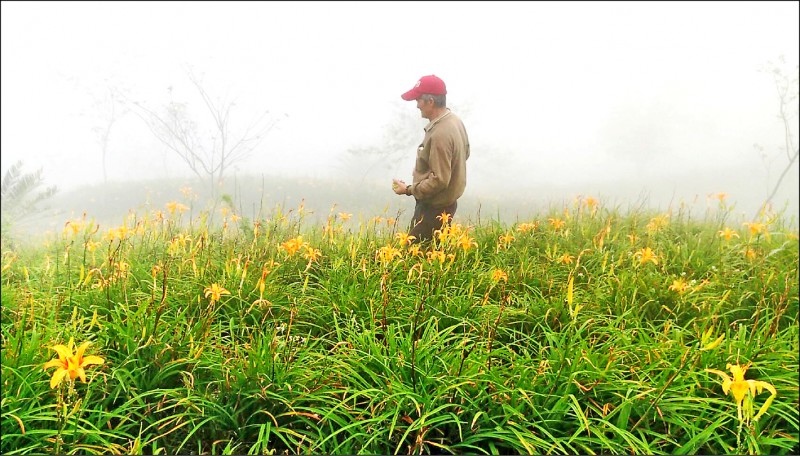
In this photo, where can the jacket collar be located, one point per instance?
(433, 123)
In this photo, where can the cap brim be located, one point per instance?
(412, 94)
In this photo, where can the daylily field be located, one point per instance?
(584, 330)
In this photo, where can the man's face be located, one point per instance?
(425, 106)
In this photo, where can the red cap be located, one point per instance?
(426, 84)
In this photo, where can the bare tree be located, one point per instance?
(114, 110)
(208, 157)
(786, 85)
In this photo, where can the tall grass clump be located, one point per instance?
(583, 330)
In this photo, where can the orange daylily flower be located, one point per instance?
(293, 245)
(69, 364)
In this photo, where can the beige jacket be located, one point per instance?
(440, 173)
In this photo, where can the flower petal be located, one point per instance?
(89, 360)
(739, 390)
(769, 400)
(63, 351)
(57, 377)
(719, 372)
(53, 363)
(737, 371)
(752, 385)
(726, 385)
(73, 372)
(766, 386)
(82, 349)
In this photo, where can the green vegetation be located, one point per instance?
(584, 330)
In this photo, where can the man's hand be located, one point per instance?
(399, 186)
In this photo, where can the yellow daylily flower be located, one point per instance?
(75, 226)
(505, 240)
(448, 232)
(657, 223)
(466, 242)
(110, 235)
(69, 364)
(720, 196)
(755, 228)
(680, 285)
(525, 227)
(123, 232)
(565, 258)
(387, 254)
(312, 254)
(728, 233)
(91, 246)
(216, 292)
(404, 238)
(293, 245)
(436, 255)
(498, 275)
(556, 223)
(591, 203)
(174, 206)
(739, 387)
(646, 254)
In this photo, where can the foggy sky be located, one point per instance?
(560, 94)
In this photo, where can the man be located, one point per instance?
(440, 172)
